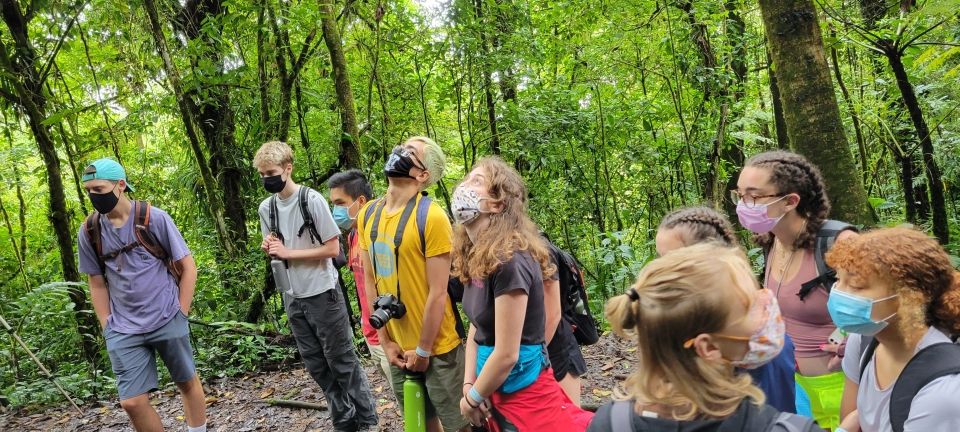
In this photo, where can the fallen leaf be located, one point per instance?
(607, 366)
(382, 408)
(267, 393)
(602, 393)
(211, 400)
(180, 418)
(379, 389)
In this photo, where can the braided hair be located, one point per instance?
(793, 173)
(700, 224)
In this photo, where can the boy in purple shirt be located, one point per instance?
(141, 306)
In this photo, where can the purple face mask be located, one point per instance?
(755, 218)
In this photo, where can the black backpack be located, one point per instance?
(308, 225)
(935, 361)
(144, 237)
(826, 237)
(574, 302)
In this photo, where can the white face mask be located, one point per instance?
(465, 203)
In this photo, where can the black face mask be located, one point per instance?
(274, 184)
(104, 202)
(400, 163)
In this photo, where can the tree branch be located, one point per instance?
(45, 70)
(902, 48)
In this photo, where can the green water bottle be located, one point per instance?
(414, 403)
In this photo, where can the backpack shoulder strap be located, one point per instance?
(92, 227)
(621, 416)
(868, 345)
(273, 221)
(141, 224)
(787, 422)
(423, 209)
(308, 223)
(930, 363)
(374, 206)
(826, 237)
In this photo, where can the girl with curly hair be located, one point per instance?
(500, 257)
(896, 285)
(692, 225)
(696, 314)
(781, 197)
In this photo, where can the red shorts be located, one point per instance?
(543, 406)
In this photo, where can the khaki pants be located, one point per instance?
(377, 354)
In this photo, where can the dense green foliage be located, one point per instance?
(614, 111)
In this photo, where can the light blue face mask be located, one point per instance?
(853, 313)
(341, 215)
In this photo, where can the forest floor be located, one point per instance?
(239, 404)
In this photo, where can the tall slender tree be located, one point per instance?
(809, 104)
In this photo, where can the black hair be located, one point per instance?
(353, 183)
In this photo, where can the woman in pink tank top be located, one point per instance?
(782, 199)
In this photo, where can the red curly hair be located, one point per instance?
(915, 263)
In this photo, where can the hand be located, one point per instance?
(415, 363)
(476, 416)
(276, 249)
(466, 387)
(185, 309)
(852, 422)
(834, 364)
(394, 353)
(265, 244)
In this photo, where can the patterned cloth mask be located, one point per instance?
(466, 205)
(767, 342)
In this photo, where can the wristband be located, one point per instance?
(467, 400)
(422, 353)
(467, 382)
(839, 429)
(475, 395)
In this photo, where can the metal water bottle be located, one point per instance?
(280, 276)
(414, 403)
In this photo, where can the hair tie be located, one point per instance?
(633, 294)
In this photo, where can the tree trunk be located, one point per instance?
(215, 116)
(810, 107)
(187, 115)
(779, 124)
(27, 82)
(487, 79)
(930, 168)
(857, 130)
(350, 138)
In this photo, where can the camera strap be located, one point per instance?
(397, 237)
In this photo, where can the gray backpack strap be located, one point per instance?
(787, 422)
(621, 416)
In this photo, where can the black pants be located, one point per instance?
(321, 327)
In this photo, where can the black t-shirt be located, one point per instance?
(521, 272)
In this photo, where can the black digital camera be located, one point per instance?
(385, 308)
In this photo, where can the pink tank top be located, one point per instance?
(808, 322)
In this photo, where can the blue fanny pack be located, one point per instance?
(531, 362)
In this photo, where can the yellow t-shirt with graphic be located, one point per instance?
(438, 237)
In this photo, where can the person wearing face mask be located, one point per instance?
(898, 296)
(696, 314)
(781, 198)
(406, 262)
(349, 192)
(693, 225)
(317, 314)
(502, 261)
(142, 306)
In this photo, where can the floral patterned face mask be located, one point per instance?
(767, 342)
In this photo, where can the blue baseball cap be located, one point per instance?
(106, 169)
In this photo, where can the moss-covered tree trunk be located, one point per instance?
(809, 104)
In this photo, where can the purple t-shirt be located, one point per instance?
(143, 294)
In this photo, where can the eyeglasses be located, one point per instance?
(404, 151)
(749, 200)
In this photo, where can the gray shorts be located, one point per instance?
(134, 360)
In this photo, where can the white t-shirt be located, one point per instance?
(935, 408)
(307, 277)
